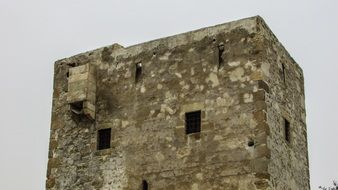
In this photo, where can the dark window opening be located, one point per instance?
(104, 137)
(144, 185)
(193, 122)
(220, 55)
(251, 143)
(77, 107)
(287, 130)
(283, 73)
(138, 72)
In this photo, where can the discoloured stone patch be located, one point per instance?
(213, 79)
(237, 74)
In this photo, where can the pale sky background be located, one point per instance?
(35, 33)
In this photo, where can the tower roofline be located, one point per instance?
(249, 23)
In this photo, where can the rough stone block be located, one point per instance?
(82, 90)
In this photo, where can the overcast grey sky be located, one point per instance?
(35, 33)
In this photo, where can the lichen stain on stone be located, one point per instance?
(234, 63)
(192, 71)
(159, 86)
(159, 157)
(178, 75)
(250, 65)
(265, 68)
(124, 124)
(165, 56)
(183, 152)
(195, 186)
(237, 74)
(248, 98)
(143, 89)
(213, 79)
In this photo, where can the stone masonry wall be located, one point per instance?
(226, 72)
(288, 165)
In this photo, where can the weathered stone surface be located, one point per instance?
(230, 72)
(81, 94)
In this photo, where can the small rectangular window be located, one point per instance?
(287, 130)
(104, 138)
(193, 122)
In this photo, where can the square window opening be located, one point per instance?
(193, 122)
(103, 139)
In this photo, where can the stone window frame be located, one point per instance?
(94, 141)
(193, 122)
(179, 130)
(98, 138)
(287, 129)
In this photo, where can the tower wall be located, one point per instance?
(143, 93)
(288, 166)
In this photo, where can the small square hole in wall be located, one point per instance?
(77, 107)
(103, 139)
(193, 122)
(287, 130)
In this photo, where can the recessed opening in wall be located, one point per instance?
(251, 143)
(283, 73)
(193, 122)
(103, 138)
(138, 72)
(77, 107)
(144, 185)
(287, 130)
(220, 55)
(72, 64)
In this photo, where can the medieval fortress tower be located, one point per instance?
(219, 108)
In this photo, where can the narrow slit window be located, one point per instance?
(283, 73)
(144, 185)
(104, 138)
(138, 72)
(193, 122)
(287, 130)
(220, 53)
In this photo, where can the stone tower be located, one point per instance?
(217, 108)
